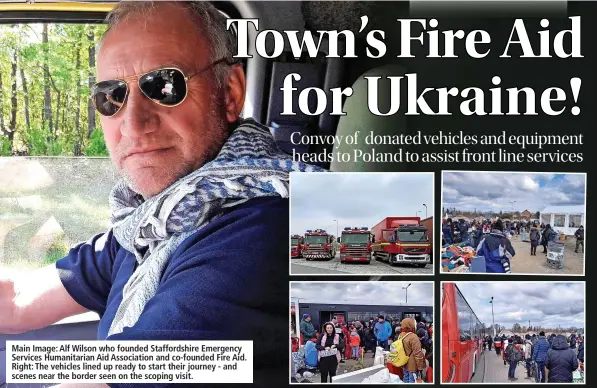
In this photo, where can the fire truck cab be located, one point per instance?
(355, 245)
(296, 245)
(402, 240)
(319, 245)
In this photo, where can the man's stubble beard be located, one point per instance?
(214, 132)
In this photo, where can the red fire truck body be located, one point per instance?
(355, 245)
(402, 240)
(296, 245)
(319, 245)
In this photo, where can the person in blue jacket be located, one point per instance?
(383, 331)
(447, 231)
(540, 355)
(497, 250)
(561, 361)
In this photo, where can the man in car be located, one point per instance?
(200, 220)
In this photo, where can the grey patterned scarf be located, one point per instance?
(250, 165)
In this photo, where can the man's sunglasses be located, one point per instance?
(166, 87)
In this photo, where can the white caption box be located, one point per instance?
(129, 361)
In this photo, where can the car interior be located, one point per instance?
(264, 97)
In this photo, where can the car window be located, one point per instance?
(55, 174)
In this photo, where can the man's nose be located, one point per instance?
(138, 115)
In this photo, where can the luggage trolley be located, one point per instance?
(555, 254)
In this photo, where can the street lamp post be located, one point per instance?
(512, 204)
(425, 210)
(337, 231)
(492, 317)
(406, 289)
(417, 214)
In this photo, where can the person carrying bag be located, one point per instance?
(329, 345)
(406, 352)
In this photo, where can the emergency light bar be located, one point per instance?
(347, 228)
(309, 231)
(364, 228)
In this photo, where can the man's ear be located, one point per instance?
(235, 93)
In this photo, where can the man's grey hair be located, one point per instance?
(211, 23)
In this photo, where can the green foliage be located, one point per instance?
(59, 68)
(57, 251)
(97, 145)
(5, 147)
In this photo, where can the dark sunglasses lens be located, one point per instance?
(164, 86)
(109, 96)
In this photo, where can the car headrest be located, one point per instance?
(346, 15)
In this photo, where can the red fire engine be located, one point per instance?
(319, 245)
(355, 245)
(402, 240)
(296, 245)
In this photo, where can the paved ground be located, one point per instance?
(308, 270)
(491, 369)
(334, 266)
(524, 263)
(346, 367)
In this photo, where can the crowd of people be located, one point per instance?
(491, 239)
(551, 358)
(339, 341)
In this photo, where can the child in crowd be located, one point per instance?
(355, 343)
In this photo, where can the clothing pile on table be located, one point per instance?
(304, 362)
(457, 257)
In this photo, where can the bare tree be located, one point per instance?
(90, 109)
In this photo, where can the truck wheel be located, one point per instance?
(421, 265)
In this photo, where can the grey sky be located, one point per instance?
(382, 293)
(546, 304)
(491, 191)
(356, 200)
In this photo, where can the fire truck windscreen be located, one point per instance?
(294, 241)
(413, 236)
(316, 239)
(355, 238)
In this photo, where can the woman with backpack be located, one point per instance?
(329, 345)
(407, 351)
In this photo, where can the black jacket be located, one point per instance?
(561, 361)
(580, 234)
(581, 352)
(329, 342)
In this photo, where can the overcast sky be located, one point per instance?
(381, 293)
(546, 304)
(490, 191)
(356, 200)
